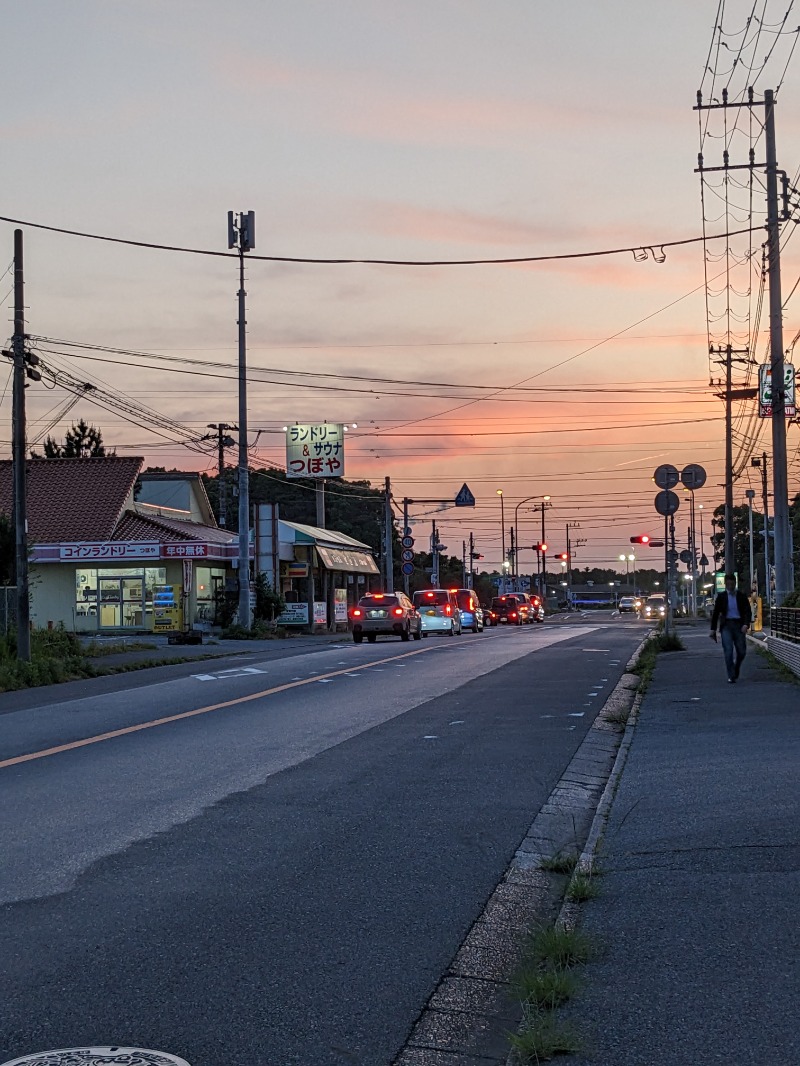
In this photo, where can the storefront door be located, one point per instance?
(121, 604)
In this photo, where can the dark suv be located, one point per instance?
(391, 613)
(511, 610)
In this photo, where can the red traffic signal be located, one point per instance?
(643, 539)
(563, 556)
(540, 547)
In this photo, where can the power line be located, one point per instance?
(635, 250)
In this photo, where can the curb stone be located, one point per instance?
(468, 1019)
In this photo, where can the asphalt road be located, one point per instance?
(273, 861)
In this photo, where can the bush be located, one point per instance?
(56, 656)
(792, 600)
(260, 631)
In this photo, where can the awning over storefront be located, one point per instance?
(347, 560)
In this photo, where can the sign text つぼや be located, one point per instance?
(315, 451)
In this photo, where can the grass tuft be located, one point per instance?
(558, 947)
(542, 1036)
(582, 887)
(561, 863)
(544, 989)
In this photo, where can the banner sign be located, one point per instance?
(110, 550)
(294, 614)
(315, 451)
(765, 390)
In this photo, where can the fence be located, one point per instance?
(785, 623)
(8, 608)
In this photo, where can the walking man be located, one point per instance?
(733, 614)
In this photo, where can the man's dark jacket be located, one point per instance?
(721, 609)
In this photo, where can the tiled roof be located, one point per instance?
(136, 526)
(73, 499)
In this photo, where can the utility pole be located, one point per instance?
(223, 442)
(434, 555)
(19, 457)
(464, 564)
(242, 236)
(388, 520)
(784, 568)
(513, 554)
(750, 494)
(471, 579)
(742, 356)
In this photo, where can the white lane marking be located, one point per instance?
(458, 721)
(353, 675)
(239, 671)
(570, 727)
(596, 649)
(547, 716)
(430, 738)
(324, 681)
(576, 714)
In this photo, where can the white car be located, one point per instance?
(655, 607)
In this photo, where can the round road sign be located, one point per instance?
(407, 542)
(693, 476)
(666, 477)
(672, 556)
(686, 556)
(667, 502)
(407, 555)
(407, 568)
(407, 531)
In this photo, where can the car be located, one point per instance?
(385, 613)
(655, 606)
(489, 617)
(537, 609)
(471, 611)
(628, 604)
(438, 610)
(511, 609)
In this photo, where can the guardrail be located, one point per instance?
(785, 623)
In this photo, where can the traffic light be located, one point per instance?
(476, 555)
(563, 557)
(540, 547)
(643, 539)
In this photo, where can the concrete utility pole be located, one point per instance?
(388, 522)
(223, 442)
(242, 236)
(750, 494)
(19, 457)
(784, 568)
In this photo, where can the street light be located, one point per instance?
(503, 531)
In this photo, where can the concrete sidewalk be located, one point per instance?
(697, 918)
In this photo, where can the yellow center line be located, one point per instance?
(204, 710)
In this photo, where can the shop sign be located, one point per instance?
(340, 605)
(765, 391)
(185, 551)
(110, 550)
(294, 614)
(320, 613)
(315, 451)
(297, 570)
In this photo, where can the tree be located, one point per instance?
(82, 441)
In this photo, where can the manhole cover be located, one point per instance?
(94, 1056)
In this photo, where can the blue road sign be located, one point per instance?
(464, 497)
(408, 568)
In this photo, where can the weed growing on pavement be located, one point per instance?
(582, 887)
(558, 947)
(544, 989)
(560, 863)
(96, 650)
(542, 1036)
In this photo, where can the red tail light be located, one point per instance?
(355, 613)
(448, 609)
(513, 614)
(398, 611)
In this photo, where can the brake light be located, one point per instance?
(448, 609)
(377, 596)
(513, 614)
(429, 595)
(355, 613)
(398, 611)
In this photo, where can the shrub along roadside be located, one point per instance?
(56, 656)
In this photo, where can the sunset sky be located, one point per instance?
(444, 129)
